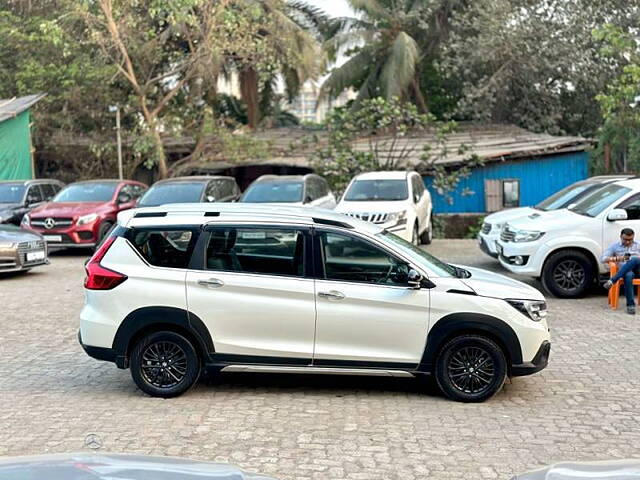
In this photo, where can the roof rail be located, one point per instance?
(333, 223)
(150, 214)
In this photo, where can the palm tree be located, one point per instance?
(386, 42)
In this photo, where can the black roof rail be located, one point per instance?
(333, 223)
(150, 214)
(211, 214)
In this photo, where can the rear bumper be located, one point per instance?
(104, 354)
(539, 362)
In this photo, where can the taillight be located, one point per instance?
(99, 277)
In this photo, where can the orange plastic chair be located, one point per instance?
(614, 291)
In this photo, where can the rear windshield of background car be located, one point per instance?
(179, 192)
(11, 192)
(87, 192)
(274, 192)
(377, 191)
(170, 248)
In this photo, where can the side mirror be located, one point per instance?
(414, 278)
(617, 214)
(308, 199)
(124, 198)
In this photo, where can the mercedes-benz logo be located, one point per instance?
(93, 441)
(49, 223)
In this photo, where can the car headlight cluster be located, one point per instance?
(536, 310)
(85, 219)
(397, 217)
(526, 235)
(26, 220)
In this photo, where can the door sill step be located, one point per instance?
(317, 370)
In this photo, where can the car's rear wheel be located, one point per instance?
(427, 236)
(471, 368)
(164, 364)
(568, 274)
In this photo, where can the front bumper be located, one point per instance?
(83, 236)
(487, 244)
(531, 253)
(539, 362)
(14, 259)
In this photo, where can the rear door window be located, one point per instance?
(171, 248)
(47, 191)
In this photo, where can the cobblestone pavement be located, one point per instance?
(583, 406)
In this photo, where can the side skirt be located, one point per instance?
(317, 370)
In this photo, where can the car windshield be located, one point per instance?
(273, 192)
(178, 192)
(567, 196)
(87, 192)
(599, 200)
(377, 191)
(438, 267)
(11, 192)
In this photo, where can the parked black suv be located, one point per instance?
(18, 197)
(190, 190)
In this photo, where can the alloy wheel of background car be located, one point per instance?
(567, 274)
(471, 368)
(164, 364)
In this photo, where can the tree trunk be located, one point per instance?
(249, 93)
(158, 146)
(419, 98)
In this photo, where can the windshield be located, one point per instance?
(599, 200)
(273, 192)
(438, 267)
(11, 192)
(87, 192)
(567, 196)
(377, 191)
(182, 192)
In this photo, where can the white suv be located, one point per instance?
(397, 201)
(564, 247)
(182, 288)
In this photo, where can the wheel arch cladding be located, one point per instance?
(456, 324)
(156, 318)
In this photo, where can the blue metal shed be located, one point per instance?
(534, 178)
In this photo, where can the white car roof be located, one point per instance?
(388, 175)
(633, 183)
(190, 213)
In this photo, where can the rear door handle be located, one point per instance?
(211, 283)
(332, 295)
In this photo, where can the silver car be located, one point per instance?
(21, 249)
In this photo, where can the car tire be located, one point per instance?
(165, 364)
(427, 236)
(568, 274)
(456, 363)
(103, 231)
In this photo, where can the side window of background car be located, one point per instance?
(324, 187)
(136, 191)
(214, 191)
(34, 195)
(350, 259)
(126, 194)
(632, 207)
(314, 189)
(228, 190)
(47, 191)
(415, 186)
(269, 251)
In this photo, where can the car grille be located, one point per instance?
(58, 222)
(370, 217)
(25, 247)
(507, 235)
(486, 227)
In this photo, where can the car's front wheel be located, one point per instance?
(568, 274)
(427, 236)
(164, 364)
(471, 368)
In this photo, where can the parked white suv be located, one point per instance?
(492, 224)
(397, 201)
(232, 287)
(564, 247)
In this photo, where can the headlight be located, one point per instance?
(397, 217)
(526, 235)
(26, 220)
(536, 310)
(87, 219)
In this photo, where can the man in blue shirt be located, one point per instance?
(627, 253)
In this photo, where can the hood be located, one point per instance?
(512, 213)
(547, 221)
(371, 207)
(608, 470)
(13, 234)
(82, 466)
(9, 206)
(490, 284)
(55, 209)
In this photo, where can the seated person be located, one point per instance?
(626, 252)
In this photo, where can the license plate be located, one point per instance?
(31, 256)
(53, 238)
(499, 248)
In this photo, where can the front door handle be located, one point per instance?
(332, 295)
(211, 283)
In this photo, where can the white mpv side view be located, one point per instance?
(397, 201)
(178, 289)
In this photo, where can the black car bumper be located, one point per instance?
(540, 361)
(101, 353)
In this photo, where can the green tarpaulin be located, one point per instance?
(15, 148)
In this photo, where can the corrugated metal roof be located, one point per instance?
(10, 107)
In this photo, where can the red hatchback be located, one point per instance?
(82, 213)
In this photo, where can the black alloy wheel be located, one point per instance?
(568, 274)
